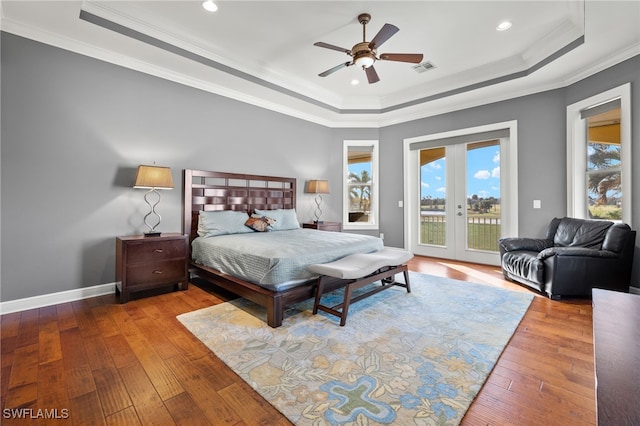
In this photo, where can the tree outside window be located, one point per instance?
(604, 184)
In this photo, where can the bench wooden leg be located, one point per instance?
(319, 291)
(345, 305)
(342, 310)
(406, 280)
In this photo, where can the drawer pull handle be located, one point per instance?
(157, 272)
(158, 251)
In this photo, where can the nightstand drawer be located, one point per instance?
(155, 251)
(324, 226)
(156, 272)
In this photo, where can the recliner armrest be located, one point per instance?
(528, 244)
(575, 251)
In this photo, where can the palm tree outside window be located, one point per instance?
(604, 186)
(360, 184)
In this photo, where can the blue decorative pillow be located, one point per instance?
(213, 223)
(285, 218)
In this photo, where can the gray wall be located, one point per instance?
(541, 124)
(541, 150)
(74, 129)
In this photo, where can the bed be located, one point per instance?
(274, 282)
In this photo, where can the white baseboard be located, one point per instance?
(56, 298)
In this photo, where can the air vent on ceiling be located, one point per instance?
(424, 66)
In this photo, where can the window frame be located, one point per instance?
(375, 201)
(577, 151)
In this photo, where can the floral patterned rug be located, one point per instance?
(403, 358)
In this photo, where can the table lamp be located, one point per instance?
(318, 187)
(153, 178)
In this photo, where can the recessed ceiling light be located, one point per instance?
(355, 82)
(503, 26)
(209, 6)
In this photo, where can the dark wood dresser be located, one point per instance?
(144, 263)
(616, 347)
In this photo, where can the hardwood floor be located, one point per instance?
(96, 361)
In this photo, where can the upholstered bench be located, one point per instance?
(356, 271)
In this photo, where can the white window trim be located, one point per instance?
(577, 151)
(374, 185)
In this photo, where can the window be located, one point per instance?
(604, 183)
(360, 185)
(599, 155)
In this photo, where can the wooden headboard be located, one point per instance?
(205, 190)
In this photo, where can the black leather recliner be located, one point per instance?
(575, 256)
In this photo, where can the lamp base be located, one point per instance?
(318, 221)
(152, 234)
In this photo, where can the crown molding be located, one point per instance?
(299, 108)
(603, 63)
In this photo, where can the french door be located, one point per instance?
(457, 197)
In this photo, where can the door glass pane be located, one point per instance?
(604, 189)
(432, 197)
(483, 200)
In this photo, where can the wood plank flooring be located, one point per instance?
(97, 362)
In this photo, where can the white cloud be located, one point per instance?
(482, 174)
(424, 184)
(435, 165)
(441, 189)
(496, 158)
(495, 172)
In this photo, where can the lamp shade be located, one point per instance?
(153, 177)
(318, 187)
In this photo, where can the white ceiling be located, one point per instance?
(262, 51)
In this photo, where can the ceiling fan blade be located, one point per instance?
(332, 47)
(334, 69)
(372, 75)
(414, 58)
(383, 35)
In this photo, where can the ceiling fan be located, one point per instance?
(364, 53)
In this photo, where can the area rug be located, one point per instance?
(403, 358)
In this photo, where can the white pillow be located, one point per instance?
(285, 218)
(212, 223)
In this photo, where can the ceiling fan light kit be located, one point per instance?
(364, 54)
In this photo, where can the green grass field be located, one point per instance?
(481, 236)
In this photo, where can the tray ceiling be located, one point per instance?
(262, 52)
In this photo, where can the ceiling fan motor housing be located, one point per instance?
(363, 55)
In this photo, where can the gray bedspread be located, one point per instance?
(278, 260)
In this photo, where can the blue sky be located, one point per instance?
(483, 174)
(357, 168)
(483, 180)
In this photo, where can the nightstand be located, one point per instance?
(144, 263)
(324, 226)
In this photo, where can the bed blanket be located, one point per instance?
(278, 260)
